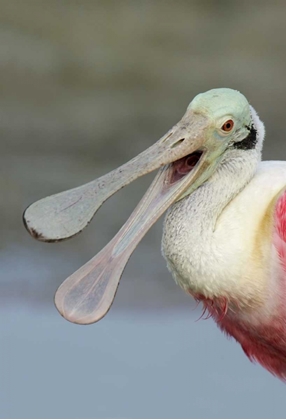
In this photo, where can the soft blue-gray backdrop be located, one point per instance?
(85, 86)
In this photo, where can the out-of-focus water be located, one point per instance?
(130, 365)
(85, 86)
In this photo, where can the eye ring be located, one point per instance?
(227, 126)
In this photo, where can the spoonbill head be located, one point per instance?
(224, 236)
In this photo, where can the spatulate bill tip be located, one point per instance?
(76, 317)
(30, 229)
(49, 237)
(40, 236)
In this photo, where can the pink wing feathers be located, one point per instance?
(264, 342)
(280, 229)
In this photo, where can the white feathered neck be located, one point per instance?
(195, 254)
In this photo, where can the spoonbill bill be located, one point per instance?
(224, 236)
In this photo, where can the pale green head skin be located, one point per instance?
(220, 105)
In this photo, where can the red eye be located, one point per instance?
(227, 126)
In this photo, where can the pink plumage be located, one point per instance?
(280, 229)
(265, 343)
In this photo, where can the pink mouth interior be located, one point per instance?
(185, 165)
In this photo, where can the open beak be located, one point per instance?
(185, 161)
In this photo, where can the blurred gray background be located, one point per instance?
(85, 86)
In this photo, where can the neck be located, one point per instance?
(207, 203)
(190, 224)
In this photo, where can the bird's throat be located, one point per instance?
(195, 253)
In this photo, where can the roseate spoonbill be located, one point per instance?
(224, 234)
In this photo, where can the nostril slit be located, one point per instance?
(169, 135)
(177, 143)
